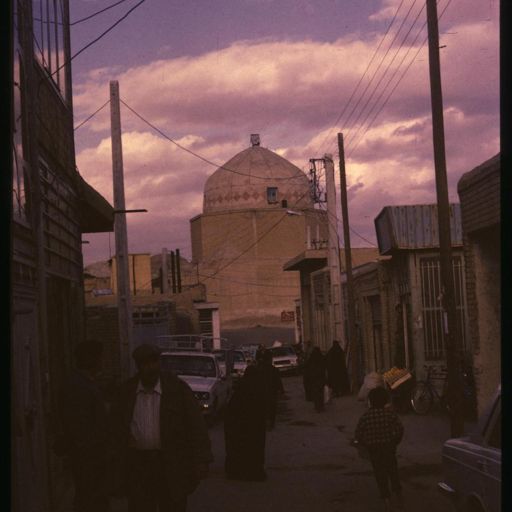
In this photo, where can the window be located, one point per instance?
(272, 195)
(433, 314)
(48, 26)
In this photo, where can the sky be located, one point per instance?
(208, 74)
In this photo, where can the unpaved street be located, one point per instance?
(312, 467)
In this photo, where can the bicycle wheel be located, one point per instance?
(421, 398)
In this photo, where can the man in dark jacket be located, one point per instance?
(85, 429)
(161, 436)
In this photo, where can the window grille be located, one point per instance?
(433, 317)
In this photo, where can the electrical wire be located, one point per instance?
(96, 13)
(380, 63)
(103, 34)
(396, 85)
(300, 175)
(388, 67)
(338, 119)
(92, 115)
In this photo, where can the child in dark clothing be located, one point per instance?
(380, 431)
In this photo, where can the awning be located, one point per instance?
(96, 213)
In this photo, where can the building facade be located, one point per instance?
(409, 234)
(51, 207)
(257, 214)
(479, 193)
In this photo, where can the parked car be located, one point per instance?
(225, 359)
(200, 370)
(240, 363)
(250, 352)
(472, 464)
(285, 358)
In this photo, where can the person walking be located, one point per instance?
(380, 431)
(337, 376)
(84, 436)
(160, 436)
(245, 429)
(315, 378)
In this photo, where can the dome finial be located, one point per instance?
(255, 139)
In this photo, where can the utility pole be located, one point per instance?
(178, 269)
(351, 352)
(452, 338)
(124, 300)
(173, 272)
(165, 284)
(333, 255)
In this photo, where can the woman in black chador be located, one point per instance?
(337, 377)
(314, 375)
(244, 429)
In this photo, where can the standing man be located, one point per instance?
(85, 429)
(161, 436)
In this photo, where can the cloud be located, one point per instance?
(292, 93)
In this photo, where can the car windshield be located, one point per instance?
(189, 365)
(238, 357)
(282, 351)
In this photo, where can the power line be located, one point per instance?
(104, 33)
(92, 115)
(96, 13)
(338, 119)
(381, 62)
(209, 162)
(389, 66)
(354, 137)
(396, 85)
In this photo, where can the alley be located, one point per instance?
(311, 466)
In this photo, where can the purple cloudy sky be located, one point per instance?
(210, 73)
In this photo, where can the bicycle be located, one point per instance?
(425, 391)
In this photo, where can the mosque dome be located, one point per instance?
(256, 178)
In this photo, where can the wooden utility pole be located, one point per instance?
(124, 300)
(452, 339)
(337, 320)
(351, 348)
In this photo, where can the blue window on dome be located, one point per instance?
(272, 195)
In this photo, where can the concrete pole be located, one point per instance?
(351, 348)
(452, 338)
(165, 284)
(173, 272)
(178, 269)
(124, 302)
(216, 329)
(337, 320)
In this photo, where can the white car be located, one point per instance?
(284, 358)
(240, 363)
(200, 370)
(472, 464)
